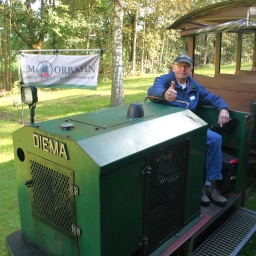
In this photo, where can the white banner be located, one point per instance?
(60, 71)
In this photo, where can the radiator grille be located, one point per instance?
(51, 199)
(164, 193)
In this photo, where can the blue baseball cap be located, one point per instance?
(184, 58)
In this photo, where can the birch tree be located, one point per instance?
(117, 92)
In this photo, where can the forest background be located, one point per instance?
(147, 47)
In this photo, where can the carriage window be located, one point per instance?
(228, 53)
(247, 51)
(205, 53)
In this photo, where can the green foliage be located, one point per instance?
(89, 24)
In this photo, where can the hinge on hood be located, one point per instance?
(74, 190)
(76, 230)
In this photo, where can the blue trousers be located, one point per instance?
(213, 156)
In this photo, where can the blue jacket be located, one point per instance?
(195, 94)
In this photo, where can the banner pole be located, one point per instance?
(20, 84)
(64, 50)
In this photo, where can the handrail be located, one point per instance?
(56, 51)
(180, 101)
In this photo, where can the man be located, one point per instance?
(177, 86)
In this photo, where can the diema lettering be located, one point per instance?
(50, 145)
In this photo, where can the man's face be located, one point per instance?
(181, 70)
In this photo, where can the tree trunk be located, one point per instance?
(5, 71)
(206, 49)
(1, 69)
(143, 49)
(161, 53)
(134, 44)
(117, 94)
(142, 56)
(34, 38)
(166, 52)
(9, 51)
(54, 35)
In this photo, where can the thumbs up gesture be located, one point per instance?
(171, 94)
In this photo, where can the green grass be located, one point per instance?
(55, 104)
(225, 69)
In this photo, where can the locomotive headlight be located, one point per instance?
(29, 94)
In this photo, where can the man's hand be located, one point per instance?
(171, 94)
(223, 117)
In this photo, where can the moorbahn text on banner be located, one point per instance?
(60, 71)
